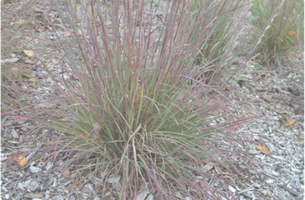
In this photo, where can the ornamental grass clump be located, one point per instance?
(278, 31)
(124, 106)
(222, 21)
(13, 73)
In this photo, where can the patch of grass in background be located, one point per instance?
(279, 29)
(216, 46)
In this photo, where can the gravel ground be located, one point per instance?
(270, 94)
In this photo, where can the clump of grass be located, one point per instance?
(222, 20)
(13, 74)
(130, 111)
(279, 29)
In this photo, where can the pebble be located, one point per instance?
(269, 181)
(14, 133)
(276, 118)
(296, 170)
(34, 169)
(254, 152)
(275, 173)
(232, 188)
(277, 157)
(47, 194)
(113, 179)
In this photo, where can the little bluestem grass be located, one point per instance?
(130, 110)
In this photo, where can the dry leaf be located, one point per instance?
(28, 61)
(15, 69)
(267, 98)
(260, 89)
(15, 167)
(247, 71)
(54, 61)
(52, 15)
(160, 17)
(65, 34)
(29, 53)
(66, 173)
(264, 150)
(79, 32)
(20, 159)
(35, 80)
(18, 22)
(289, 120)
(267, 74)
(24, 128)
(256, 77)
(72, 185)
(295, 92)
(291, 32)
(37, 9)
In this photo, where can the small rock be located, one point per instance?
(254, 152)
(142, 193)
(267, 98)
(277, 157)
(10, 60)
(28, 61)
(31, 185)
(47, 194)
(232, 188)
(49, 165)
(7, 196)
(117, 186)
(34, 169)
(208, 167)
(40, 164)
(14, 133)
(33, 195)
(269, 181)
(89, 186)
(275, 173)
(296, 170)
(114, 179)
(276, 118)
(150, 197)
(267, 192)
(54, 182)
